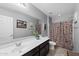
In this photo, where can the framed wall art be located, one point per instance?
(21, 24)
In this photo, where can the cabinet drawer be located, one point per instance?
(44, 44)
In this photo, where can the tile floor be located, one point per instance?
(57, 52)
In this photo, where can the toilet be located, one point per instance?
(52, 44)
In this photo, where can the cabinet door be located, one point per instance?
(36, 54)
(44, 51)
(41, 50)
(44, 44)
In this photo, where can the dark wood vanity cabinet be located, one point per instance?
(44, 48)
(40, 50)
(33, 52)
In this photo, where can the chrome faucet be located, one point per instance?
(18, 44)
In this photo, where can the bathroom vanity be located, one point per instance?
(40, 50)
(29, 46)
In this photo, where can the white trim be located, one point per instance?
(48, 26)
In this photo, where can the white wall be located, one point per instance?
(33, 11)
(61, 18)
(76, 29)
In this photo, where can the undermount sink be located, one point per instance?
(6, 51)
(11, 50)
(17, 49)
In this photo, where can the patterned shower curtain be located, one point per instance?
(62, 34)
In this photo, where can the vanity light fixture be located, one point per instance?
(21, 5)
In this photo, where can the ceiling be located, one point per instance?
(14, 7)
(47, 8)
(56, 8)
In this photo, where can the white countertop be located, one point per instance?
(27, 44)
